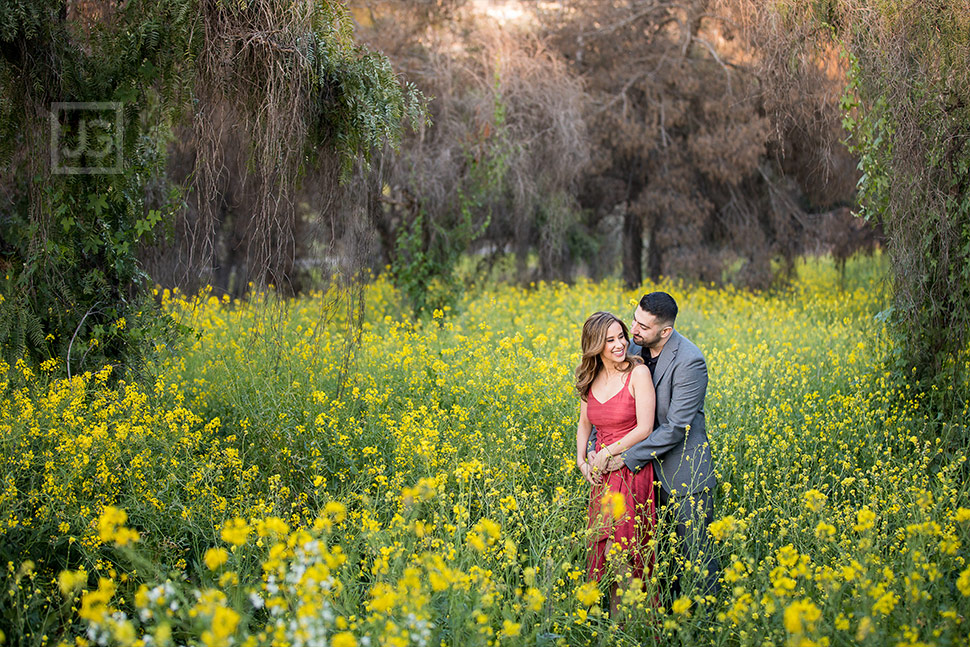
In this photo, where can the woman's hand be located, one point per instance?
(600, 462)
(587, 471)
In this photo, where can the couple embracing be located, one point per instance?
(642, 446)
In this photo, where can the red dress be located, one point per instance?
(630, 523)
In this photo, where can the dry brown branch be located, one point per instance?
(633, 17)
(501, 99)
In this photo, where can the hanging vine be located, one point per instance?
(287, 76)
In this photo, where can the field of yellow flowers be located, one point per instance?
(279, 479)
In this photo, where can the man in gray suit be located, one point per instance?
(678, 447)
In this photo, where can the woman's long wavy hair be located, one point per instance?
(593, 341)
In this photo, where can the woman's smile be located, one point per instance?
(615, 345)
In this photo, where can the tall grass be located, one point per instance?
(428, 494)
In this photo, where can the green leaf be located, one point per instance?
(97, 203)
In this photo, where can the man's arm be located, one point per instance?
(687, 398)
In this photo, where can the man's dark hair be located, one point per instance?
(661, 305)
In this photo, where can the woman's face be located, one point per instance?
(614, 350)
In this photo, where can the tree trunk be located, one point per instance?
(654, 257)
(632, 249)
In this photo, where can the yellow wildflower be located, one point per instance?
(533, 599)
(343, 639)
(124, 632)
(864, 629)
(963, 582)
(801, 616)
(235, 531)
(511, 629)
(163, 634)
(336, 511)
(824, 531)
(94, 604)
(476, 541)
(70, 581)
(865, 520)
(886, 603)
(272, 527)
(223, 626)
(723, 528)
(815, 500)
(111, 527)
(492, 529)
(681, 605)
(787, 556)
(588, 594)
(215, 557)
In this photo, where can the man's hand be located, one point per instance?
(613, 464)
(605, 462)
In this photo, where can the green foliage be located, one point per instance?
(427, 253)
(371, 104)
(426, 257)
(354, 101)
(72, 284)
(907, 108)
(871, 141)
(73, 287)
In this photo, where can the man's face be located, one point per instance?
(647, 330)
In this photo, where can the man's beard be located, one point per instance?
(645, 343)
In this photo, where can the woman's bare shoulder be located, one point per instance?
(641, 378)
(641, 371)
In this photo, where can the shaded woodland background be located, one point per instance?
(448, 142)
(583, 138)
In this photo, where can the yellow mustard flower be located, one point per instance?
(236, 531)
(215, 557)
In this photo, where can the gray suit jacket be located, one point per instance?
(678, 446)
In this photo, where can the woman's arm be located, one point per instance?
(645, 397)
(583, 430)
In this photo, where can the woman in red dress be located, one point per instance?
(617, 396)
